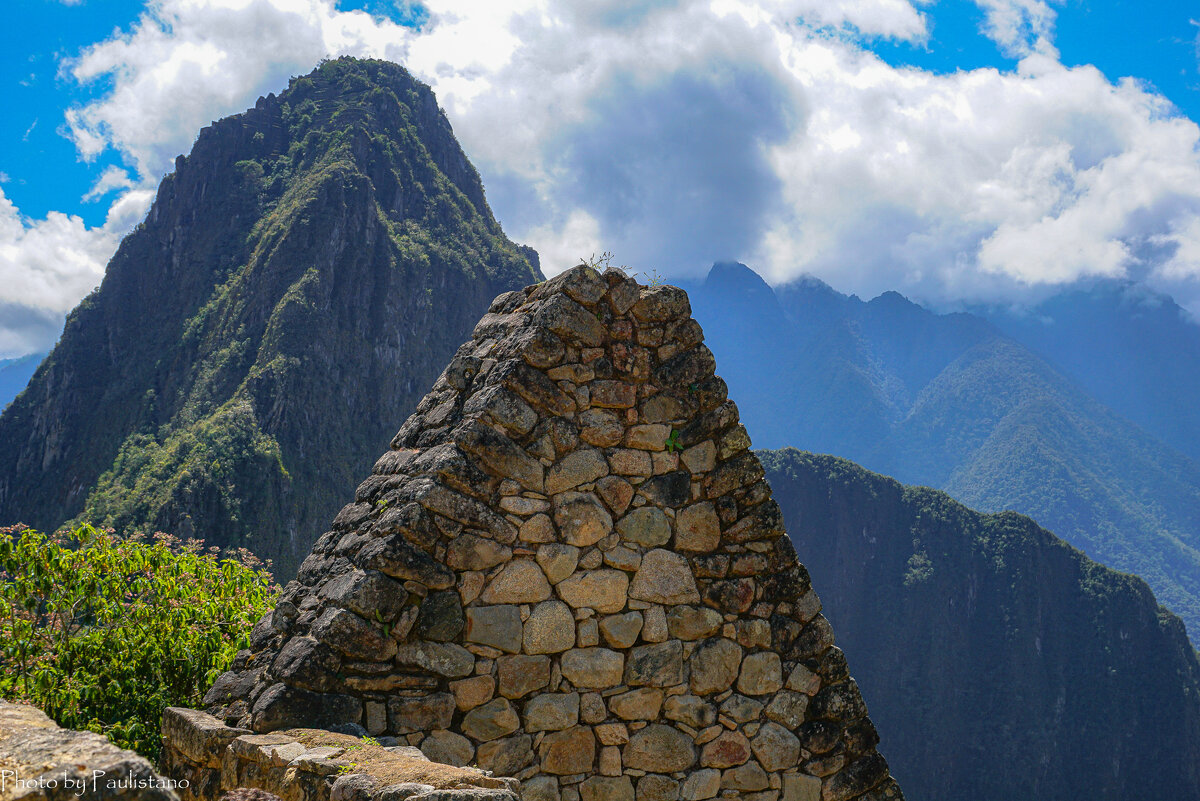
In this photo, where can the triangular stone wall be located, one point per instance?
(569, 569)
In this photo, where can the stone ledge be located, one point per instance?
(39, 761)
(311, 765)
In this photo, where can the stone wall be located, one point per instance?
(209, 758)
(39, 761)
(569, 569)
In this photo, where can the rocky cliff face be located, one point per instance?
(570, 570)
(1000, 662)
(301, 277)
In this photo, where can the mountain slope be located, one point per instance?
(949, 402)
(1133, 349)
(1001, 662)
(301, 276)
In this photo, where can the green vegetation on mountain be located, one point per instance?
(1000, 662)
(948, 402)
(300, 280)
(103, 633)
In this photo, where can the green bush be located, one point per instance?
(103, 633)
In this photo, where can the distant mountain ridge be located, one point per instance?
(949, 401)
(15, 375)
(300, 279)
(1000, 662)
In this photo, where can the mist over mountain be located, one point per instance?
(1133, 349)
(301, 278)
(949, 401)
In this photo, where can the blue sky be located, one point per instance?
(957, 151)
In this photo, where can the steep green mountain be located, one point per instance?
(15, 374)
(301, 278)
(1132, 348)
(1001, 662)
(948, 401)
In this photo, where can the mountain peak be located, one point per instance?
(299, 276)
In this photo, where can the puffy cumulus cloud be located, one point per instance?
(186, 62)
(980, 183)
(678, 132)
(1019, 27)
(47, 265)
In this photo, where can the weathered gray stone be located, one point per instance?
(602, 590)
(775, 747)
(658, 304)
(441, 616)
(550, 628)
(643, 703)
(581, 518)
(747, 778)
(601, 428)
(702, 784)
(762, 673)
(470, 552)
(369, 592)
(557, 560)
(692, 622)
(607, 788)
(307, 664)
(589, 668)
(728, 750)
(697, 528)
(653, 787)
(281, 707)
(690, 710)
(664, 578)
(541, 788)
(714, 665)
(520, 675)
(798, 787)
(741, 709)
(470, 693)
(521, 581)
(498, 626)
(647, 527)
(616, 492)
(448, 748)
(568, 752)
(353, 636)
(500, 455)
(659, 665)
(408, 715)
(788, 707)
(552, 712)
(497, 718)
(659, 749)
(443, 658)
(579, 467)
(621, 631)
(505, 756)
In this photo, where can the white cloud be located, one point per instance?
(678, 132)
(47, 265)
(112, 178)
(1019, 27)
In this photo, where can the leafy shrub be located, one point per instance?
(103, 633)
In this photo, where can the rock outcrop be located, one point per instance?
(215, 761)
(39, 761)
(569, 569)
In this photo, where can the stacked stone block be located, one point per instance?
(569, 569)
